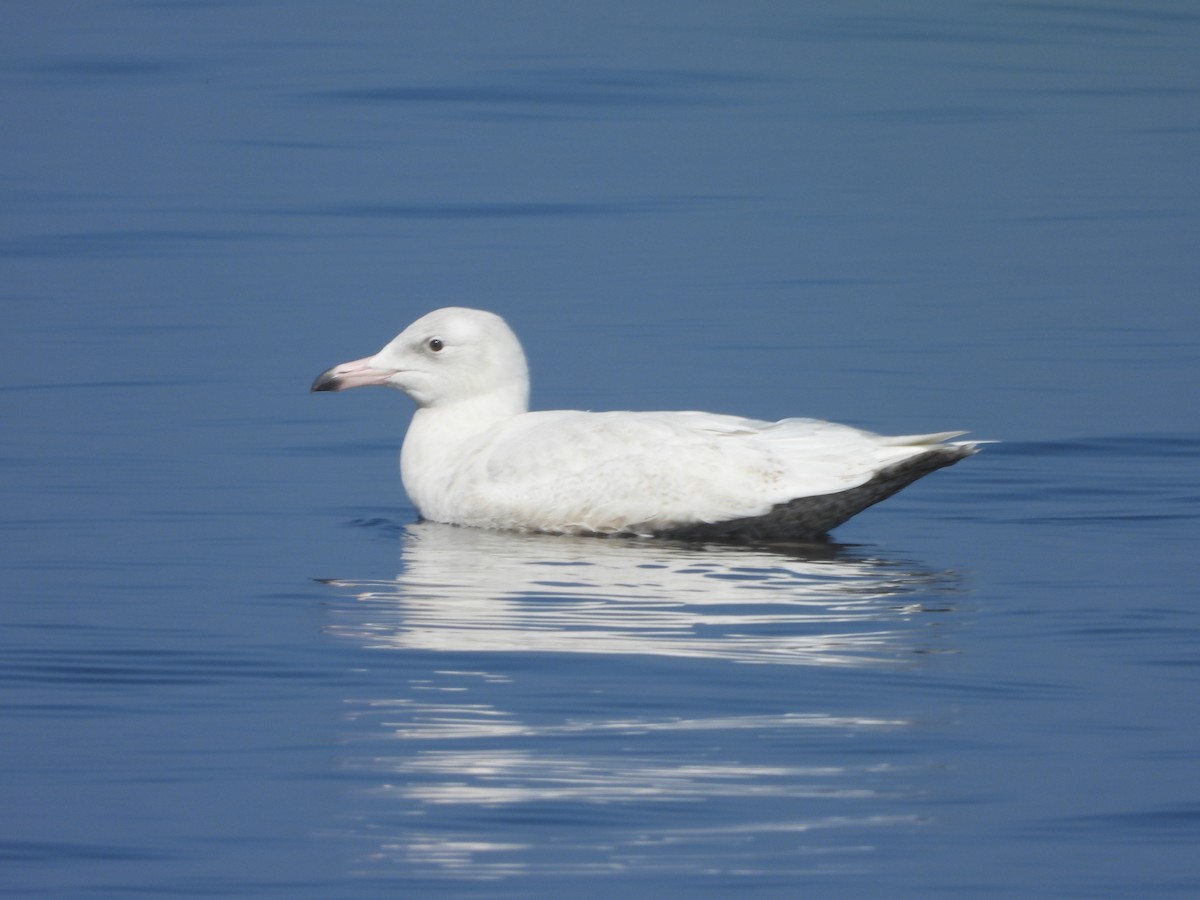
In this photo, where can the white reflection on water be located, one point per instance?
(470, 590)
(497, 778)
(495, 756)
(490, 782)
(414, 720)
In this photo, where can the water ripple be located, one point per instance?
(559, 88)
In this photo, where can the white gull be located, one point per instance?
(475, 455)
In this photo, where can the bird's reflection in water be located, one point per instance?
(560, 700)
(471, 590)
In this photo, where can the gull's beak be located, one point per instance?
(351, 374)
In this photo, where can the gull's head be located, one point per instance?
(447, 356)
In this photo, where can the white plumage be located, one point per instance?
(474, 454)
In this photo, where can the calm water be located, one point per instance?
(233, 665)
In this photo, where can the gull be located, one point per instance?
(475, 455)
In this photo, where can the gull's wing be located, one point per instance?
(645, 471)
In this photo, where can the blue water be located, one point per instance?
(234, 665)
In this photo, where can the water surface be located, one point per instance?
(233, 664)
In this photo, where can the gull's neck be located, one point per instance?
(479, 411)
(443, 436)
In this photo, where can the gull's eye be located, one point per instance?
(436, 344)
